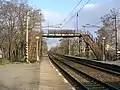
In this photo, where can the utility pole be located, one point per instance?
(116, 34)
(27, 37)
(77, 22)
(78, 32)
(41, 36)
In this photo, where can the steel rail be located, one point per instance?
(70, 78)
(110, 87)
(109, 68)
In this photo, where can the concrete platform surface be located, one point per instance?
(32, 77)
(112, 62)
(50, 78)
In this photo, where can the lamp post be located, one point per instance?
(37, 54)
(103, 48)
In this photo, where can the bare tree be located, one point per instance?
(13, 25)
(108, 31)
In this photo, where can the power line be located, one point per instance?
(72, 11)
(76, 13)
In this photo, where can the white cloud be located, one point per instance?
(53, 17)
(50, 14)
(91, 6)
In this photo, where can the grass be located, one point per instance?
(4, 62)
(18, 62)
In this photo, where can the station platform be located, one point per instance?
(112, 62)
(117, 62)
(50, 77)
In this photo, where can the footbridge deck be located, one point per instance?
(60, 35)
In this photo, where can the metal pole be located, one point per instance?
(79, 37)
(116, 34)
(79, 47)
(27, 37)
(41, 47)
(41, 37)
(37, 49)
(77, 22)
(48, 27)
(69, 45)
(103, 48)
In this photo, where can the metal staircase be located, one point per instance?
(95, 48)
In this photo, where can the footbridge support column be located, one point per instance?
(87, 49)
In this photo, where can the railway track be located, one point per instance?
(109, 68)
(81, 80)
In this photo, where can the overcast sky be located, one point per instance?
(56, 10)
